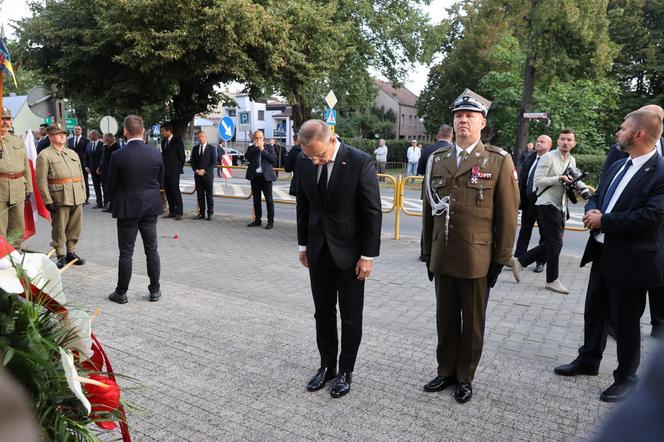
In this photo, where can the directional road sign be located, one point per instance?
(331, 117)
(226, 128)
(244, 121)
(71, 123)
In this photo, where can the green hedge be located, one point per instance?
(396, 149)
(591, 163)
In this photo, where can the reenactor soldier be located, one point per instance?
(60, 181)
(469, 224)
(15, 180)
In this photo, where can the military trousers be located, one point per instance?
(66, 225)
(11, 220)
(460, 313)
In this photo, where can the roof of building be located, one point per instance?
(401, 95)
(14, 103)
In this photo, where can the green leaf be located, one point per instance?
(9, 354)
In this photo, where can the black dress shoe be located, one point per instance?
(178, 217)
(617, 392)
(423, 258)
(341, 384)
(98, 207)
(199, 217)
(255, 224)
(73, 256)
(61, 261)
(463, 393)
(539, 268)
(574, 368)
(106, 210)
(170, 215)
(439, 383)
(321, 377)
(116, 297)
(269, 226)
(154, 297)
(209, 217)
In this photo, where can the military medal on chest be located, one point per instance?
(474, 174)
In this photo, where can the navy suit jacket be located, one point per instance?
(422, 163)
(81, 149)
(173, 156)
(207, 161)
(523, 178)
(349, 219)
(135, 175)
(94, 154)
(634, 229)
(268, 160)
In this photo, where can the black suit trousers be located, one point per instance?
(656, 301)
(127, 230)
(87, 184)
(329, 283)
(204, 193)
(97, 183)
(173, 195)
(553, 227)
(529, 217)
(624, 307)
(258, 185)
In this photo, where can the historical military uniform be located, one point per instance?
(469, 225)
(60, 181)
(15, 183)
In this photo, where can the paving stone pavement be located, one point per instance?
(226, 353)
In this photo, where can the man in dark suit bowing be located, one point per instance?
(80, 144)
(203, 162)
(94, 153)
(626, 248)
(136, 174)
(338, 231)
(655, 295)
(260, 172)
(172, 151)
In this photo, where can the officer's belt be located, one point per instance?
(65, 180)
(13, 175)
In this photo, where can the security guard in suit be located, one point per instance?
(60, 181)
(469, 225)
(15, 180)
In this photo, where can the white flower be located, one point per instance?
(73, 380)
(43, 274)
(9, 281)
(79, 321)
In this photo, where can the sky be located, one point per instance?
(17, 9)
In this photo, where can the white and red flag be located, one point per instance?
(35, 206)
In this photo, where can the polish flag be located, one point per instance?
(35, 205)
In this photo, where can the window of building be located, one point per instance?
(261, 115)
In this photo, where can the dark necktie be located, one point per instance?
(614, 186)
(531, 177)
(322, 181)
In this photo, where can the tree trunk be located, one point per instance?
(522, 124)
(301, 112)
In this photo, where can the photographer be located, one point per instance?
(551, 205)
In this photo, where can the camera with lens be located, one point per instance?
(577, 184)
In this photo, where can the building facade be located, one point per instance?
(401, 101)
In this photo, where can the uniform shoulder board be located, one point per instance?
(496, 149)
(442, 149)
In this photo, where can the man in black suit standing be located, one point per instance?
(110, 146)
(261, 158)
(94, 154)
(338, 232)
(136, 174)
(528, 195)
(443, 139)
(203, 162)
(655, 295)
(44, 141)
(172, 151)
(290, 164)
(626, 248)
(80, 144)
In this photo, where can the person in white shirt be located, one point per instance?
(381, 157)
(413, 155)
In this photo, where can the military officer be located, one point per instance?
(60, 181)
(15, 180)
(469, 225)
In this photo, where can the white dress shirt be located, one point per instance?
(330, 167)
(135, 139)
(637, 164)
(468, 150)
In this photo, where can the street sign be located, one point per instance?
(156, 129)
(331, 99)
(536, 115)
(331, 117)
(71, 123)
(40, 102)
(48, 120)
(244, 121)
(108, 125)
(226, 128)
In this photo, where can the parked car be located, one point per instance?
(237, 157)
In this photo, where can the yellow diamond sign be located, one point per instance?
(331, 99)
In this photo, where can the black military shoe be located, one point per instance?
(116, 297)
(61, 261)
(321, 377)
(617, 392)
(574, 368)
(341, 385)
(439, 383)
(269, 226)
(539, 268)
(154, 296)
(73, 256)
(463, 393)
(255, 224)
